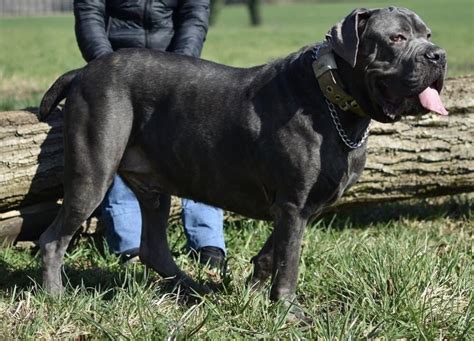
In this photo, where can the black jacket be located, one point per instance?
(103, 26)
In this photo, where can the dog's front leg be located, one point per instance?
(287, 237)
(154, 247)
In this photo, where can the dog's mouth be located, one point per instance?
(419, 101)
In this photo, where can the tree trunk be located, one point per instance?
(255, 10)
(422, 157)
(215, 9)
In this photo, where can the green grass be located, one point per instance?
(393, 271)
(37, 50)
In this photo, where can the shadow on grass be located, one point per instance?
(29, 278)
(21, 269)
(107, 281)
(455, 207)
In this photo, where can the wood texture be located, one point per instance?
(31, 159)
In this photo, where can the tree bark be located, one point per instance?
(422, 157)
(31, 158)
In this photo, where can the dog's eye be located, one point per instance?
(398, 38)
(428, 36)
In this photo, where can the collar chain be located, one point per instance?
(335, 117)
(342, 134)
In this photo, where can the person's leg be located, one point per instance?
(203, 226)
(122, 218)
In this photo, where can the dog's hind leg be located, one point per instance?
(154, 248)
(91, 158)
(51, 255)
(79, 203)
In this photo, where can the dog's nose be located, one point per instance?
(436, 55)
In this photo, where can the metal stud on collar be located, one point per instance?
(340, 130)
(315, 51)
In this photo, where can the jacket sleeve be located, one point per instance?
(90, 27)
(192, 20)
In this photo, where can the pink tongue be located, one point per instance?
(430, 100)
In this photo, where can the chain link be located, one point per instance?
(340, 130)
(335, 117)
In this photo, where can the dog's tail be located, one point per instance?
(56, 93)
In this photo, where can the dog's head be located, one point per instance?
(396, 68)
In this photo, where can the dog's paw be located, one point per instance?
(296, 316)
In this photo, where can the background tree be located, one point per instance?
(216, 6)
(254, 7)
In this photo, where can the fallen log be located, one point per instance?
(31, 159)
(26, 223)
(417, 157)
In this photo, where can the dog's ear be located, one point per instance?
(344, 36)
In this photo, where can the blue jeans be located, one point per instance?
(203, 224)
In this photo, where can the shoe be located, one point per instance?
(129, 256)
(212, 256)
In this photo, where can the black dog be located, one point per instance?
(269, 142)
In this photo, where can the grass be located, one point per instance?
(400, 271)
(39, 49)
(397, 271)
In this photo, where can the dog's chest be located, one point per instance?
(356, 163)
(349, 179)
(336, 176)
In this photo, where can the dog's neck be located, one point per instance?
(325, 70)
(332, 81)
(306, 92)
